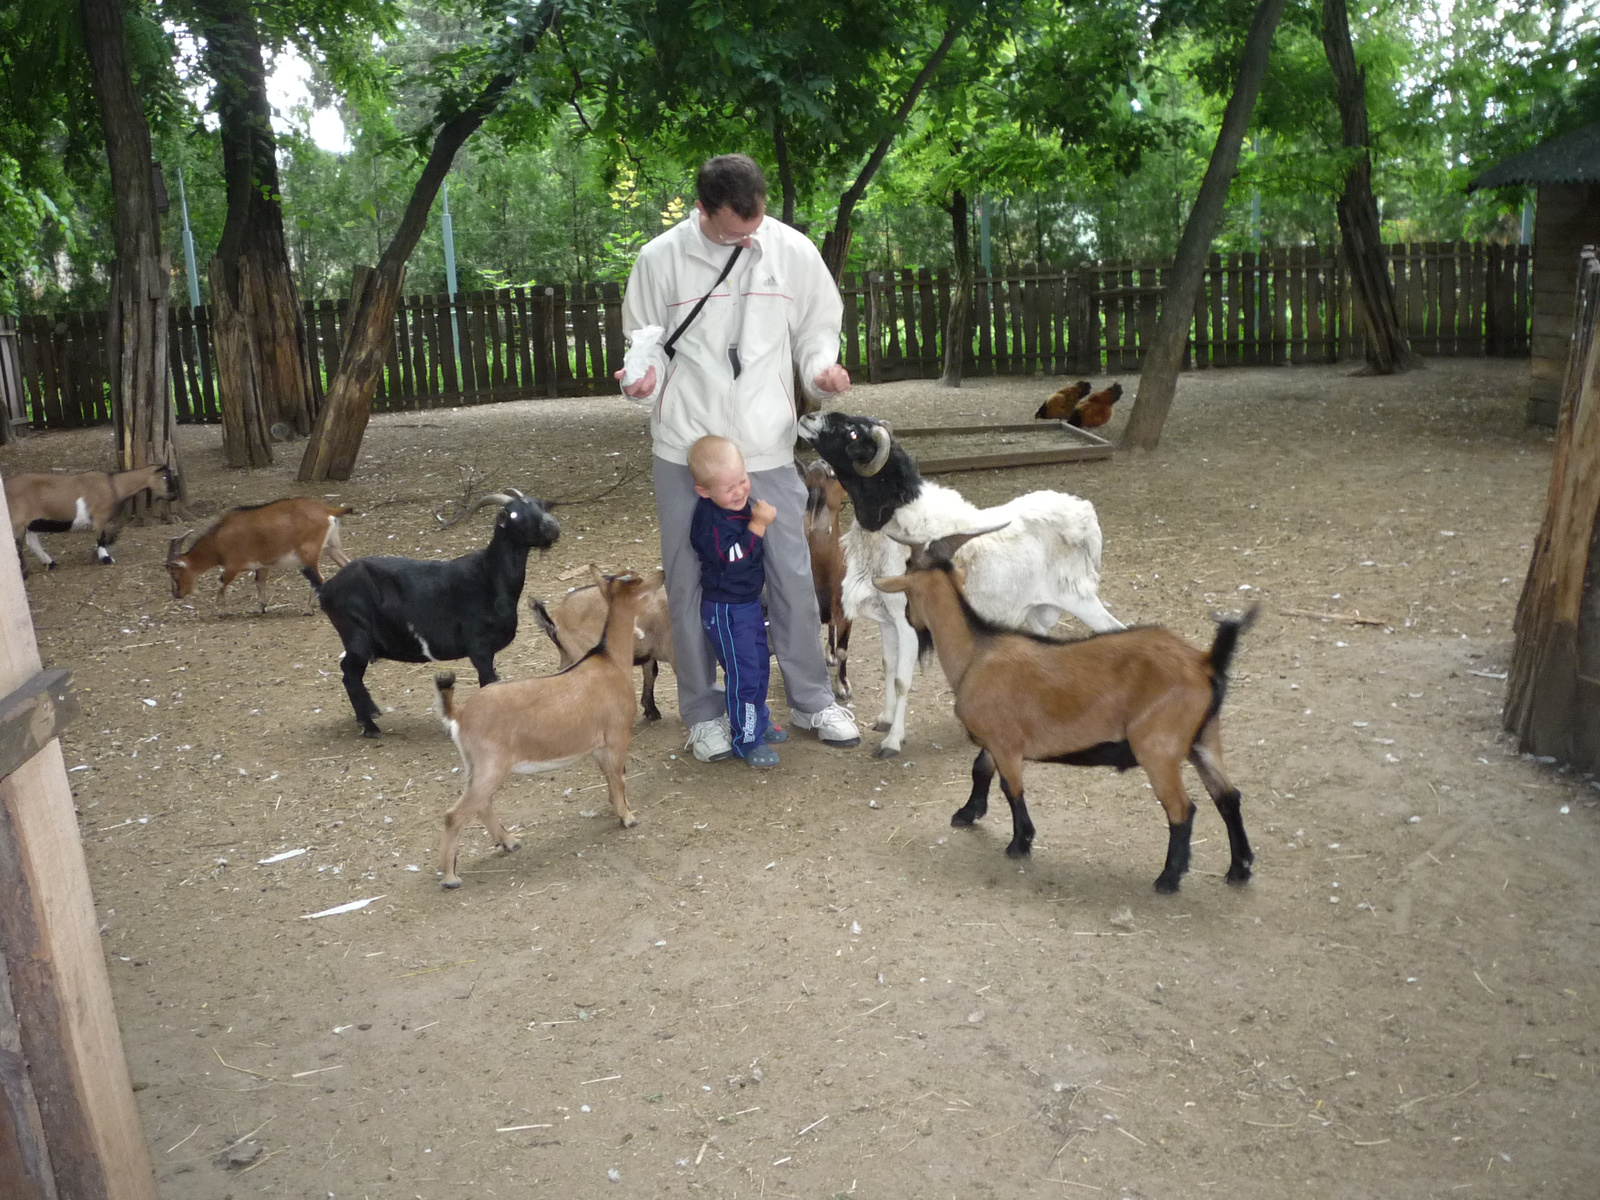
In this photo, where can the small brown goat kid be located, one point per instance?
(577, 622)
(43, 503)
(275, 536)
(533, 725)
(825, 495)
(1139, 697)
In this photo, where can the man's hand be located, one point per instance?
(832, 380)
(646, 385)
(762, 514)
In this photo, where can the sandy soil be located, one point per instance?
(805, 982)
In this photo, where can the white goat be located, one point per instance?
(1043, 563)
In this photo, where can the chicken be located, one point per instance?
(1060, 404)
(1095, 410)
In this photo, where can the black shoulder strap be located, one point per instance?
(695, 311)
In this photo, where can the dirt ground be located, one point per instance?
(805, 982)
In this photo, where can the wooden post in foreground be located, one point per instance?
(68, 1123)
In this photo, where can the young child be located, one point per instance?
(727, 532)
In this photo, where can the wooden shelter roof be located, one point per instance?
(1571, 158)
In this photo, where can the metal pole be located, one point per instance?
(188, 245)
(450, 270)
(983, 231)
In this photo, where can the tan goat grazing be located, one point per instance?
(533, 725)
(93, 500)
(1139, 697)
(276, 536)
(577, 621)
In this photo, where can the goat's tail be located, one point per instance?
(444, 687)
(542, 615)
(340, 510)
(1221, 655)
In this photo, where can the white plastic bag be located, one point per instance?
(639, 358)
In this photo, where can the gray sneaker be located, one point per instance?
(835, 725)
(710, 740)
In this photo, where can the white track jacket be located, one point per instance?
(779, 308)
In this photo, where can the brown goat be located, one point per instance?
(825, 496)
(42, 503)
(577, 622)
(1060, 405)
(533, 725)
(1139, 697)
(275, 536)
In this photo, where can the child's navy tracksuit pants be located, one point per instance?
(739, 634)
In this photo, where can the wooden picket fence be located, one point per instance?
(1273, 308)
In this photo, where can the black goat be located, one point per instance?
(412, 610)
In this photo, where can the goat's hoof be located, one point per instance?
(50, 566)
(882, 726)
(962, 819)
(629, 821)
(450, 882)
(371, 731)
(1019, 850)
(1238, 873)
(1165, 886)
(510, 845)
(652, 714)
(885, 750)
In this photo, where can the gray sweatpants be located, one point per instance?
(791, 598)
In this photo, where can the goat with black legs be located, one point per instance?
(1141, 697)
(412, 610)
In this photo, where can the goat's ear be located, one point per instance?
(654, 580)
(892, 583)
(175, 547)
(596, 574)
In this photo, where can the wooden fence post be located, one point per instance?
(874, 334)
(64, 1043)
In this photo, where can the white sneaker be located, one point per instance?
(711, 740)
(835, 725)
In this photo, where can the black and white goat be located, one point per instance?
(413, 610)
(93, 500)
(1043, 563)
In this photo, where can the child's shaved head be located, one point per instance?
(712, 455)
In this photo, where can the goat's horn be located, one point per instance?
(880, 434)
(947, 546)
(513, 492)
(175, 546)
(491, 498)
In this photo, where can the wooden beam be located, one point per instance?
(33, 716)
(50, 944)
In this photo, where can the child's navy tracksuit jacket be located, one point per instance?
(731, 578)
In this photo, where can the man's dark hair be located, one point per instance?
(732, 181)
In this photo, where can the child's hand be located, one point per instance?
(762, 514)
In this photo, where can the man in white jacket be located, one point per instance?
(756, 319)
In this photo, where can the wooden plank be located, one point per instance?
(25, 1169)
(928, 319)
(894, 356)
(404, 315)
(1449, 300)
(611, 297)
(983, 321)
(850, 293)
(33, 714)
(1280, 306)
(1149, 303)
(560, 345)
(525, 341)
(50, 942)
(477, 306)
(874, 334)
(594, 325)
(1078, 445)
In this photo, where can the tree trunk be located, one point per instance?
(955, 326)
(263, 359)
(1387, 348)
(1159, 379)
(780, 146)
(836, 244)
(136, 309)
(374, 295)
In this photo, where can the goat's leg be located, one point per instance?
(261, 588)
(1092, 613)
(477, 800)
(889, 642)
(1166, 776)
(34, 544)
(841, 688)
(484, 665)
(228, 576)
(612, 760)
(647, 693)
(1021, 824)
(1206, 755)
(102, 544)
(978, 803)
(353, 666)
(332, 548)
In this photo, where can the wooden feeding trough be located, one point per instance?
(942, 448)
